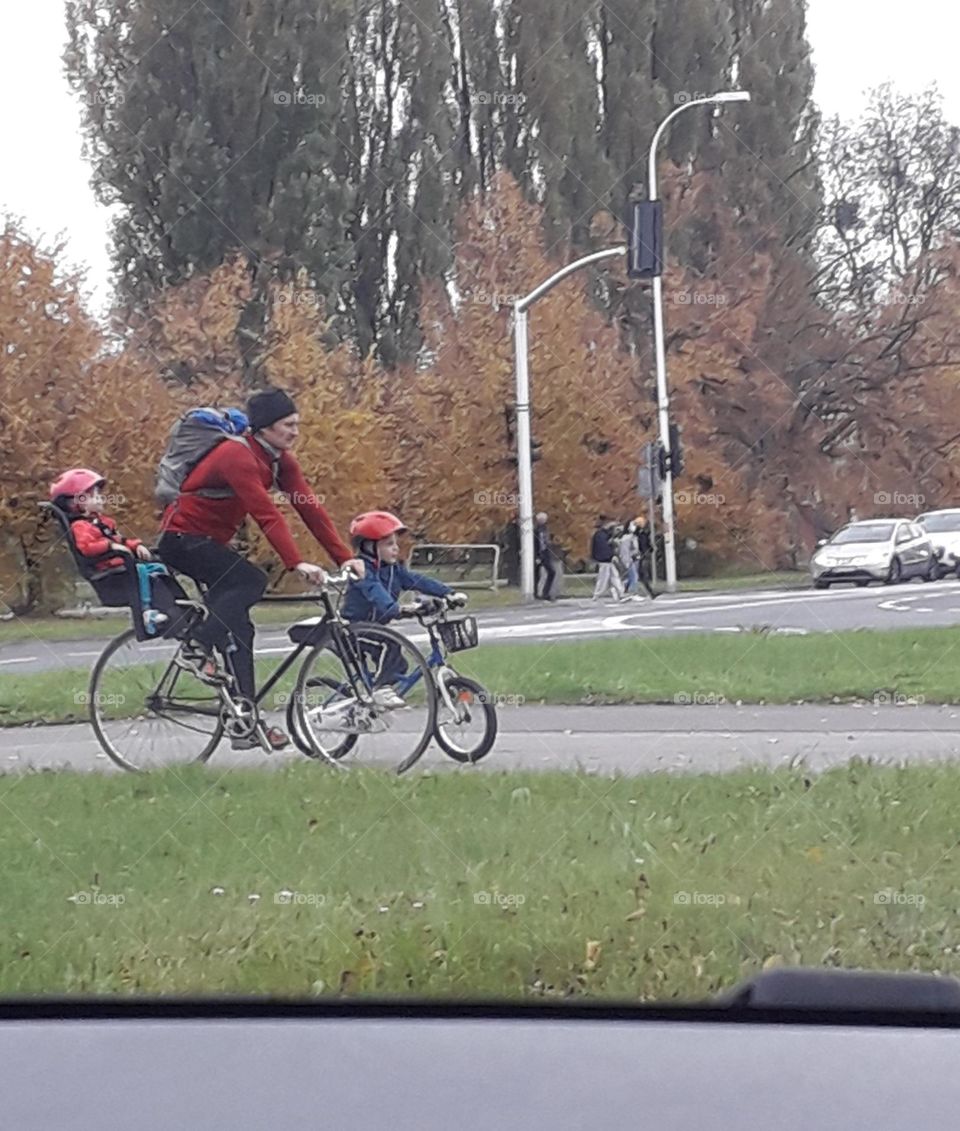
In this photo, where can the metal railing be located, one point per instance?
(459, 558)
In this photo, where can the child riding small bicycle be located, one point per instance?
(375, 597)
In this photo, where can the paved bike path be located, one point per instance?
(608, 740)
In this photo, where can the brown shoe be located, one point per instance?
(275, 737)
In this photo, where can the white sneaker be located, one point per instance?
(388, 699)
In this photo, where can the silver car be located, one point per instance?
(878, 549)
(943, 527)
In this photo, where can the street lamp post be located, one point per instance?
(663, 401)
(524, 455)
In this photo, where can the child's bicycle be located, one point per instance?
(466, 718)
(150, 706)
(466, 726)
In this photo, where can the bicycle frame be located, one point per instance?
(334, 625)
(331, 621)
(436, 662)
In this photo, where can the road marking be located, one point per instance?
(20, 660)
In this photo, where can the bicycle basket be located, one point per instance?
(458, 633)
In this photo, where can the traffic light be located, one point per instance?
(645, 248)
(676, 449)
(510, 425)
(662, 461)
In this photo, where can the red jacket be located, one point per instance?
(92, 536)
(247, 468)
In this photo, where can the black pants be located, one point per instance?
(234, 585)
(384, 662)
(643, 573)
(544, 565)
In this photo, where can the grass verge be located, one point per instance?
(307, 883)
(920, 665)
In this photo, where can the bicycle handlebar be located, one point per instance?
(430, 606)
(344, 576)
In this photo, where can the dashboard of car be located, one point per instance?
(209, 1066)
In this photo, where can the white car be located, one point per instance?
(943, 528)
(878, 549)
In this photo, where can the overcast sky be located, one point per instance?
(857, 44)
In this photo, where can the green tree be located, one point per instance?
(305, 137)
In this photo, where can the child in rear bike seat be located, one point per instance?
(375, 597)
(78, 495)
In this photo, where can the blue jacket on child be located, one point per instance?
(375, 597)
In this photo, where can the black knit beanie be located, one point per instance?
(269, 406)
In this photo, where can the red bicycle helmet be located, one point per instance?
(76, 481)
(374, 525)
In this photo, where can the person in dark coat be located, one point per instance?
(603, 552)
(644, 553)
(543, 557)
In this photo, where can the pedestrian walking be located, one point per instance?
(603, 550)
(543, 557)
(628, 552)
(644, 554)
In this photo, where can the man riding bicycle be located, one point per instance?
(196, 531)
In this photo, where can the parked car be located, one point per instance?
(943, 528)
(877, 549)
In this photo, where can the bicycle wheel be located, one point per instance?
(467, 732)
(146, 712)
(342, 690)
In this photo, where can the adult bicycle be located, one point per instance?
(149, 706)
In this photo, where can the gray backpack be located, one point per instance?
(194, 435)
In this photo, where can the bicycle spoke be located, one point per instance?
(367, 688)
(146, 711)
(467, 727)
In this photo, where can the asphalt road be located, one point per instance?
(632, 740)
(789, 611)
